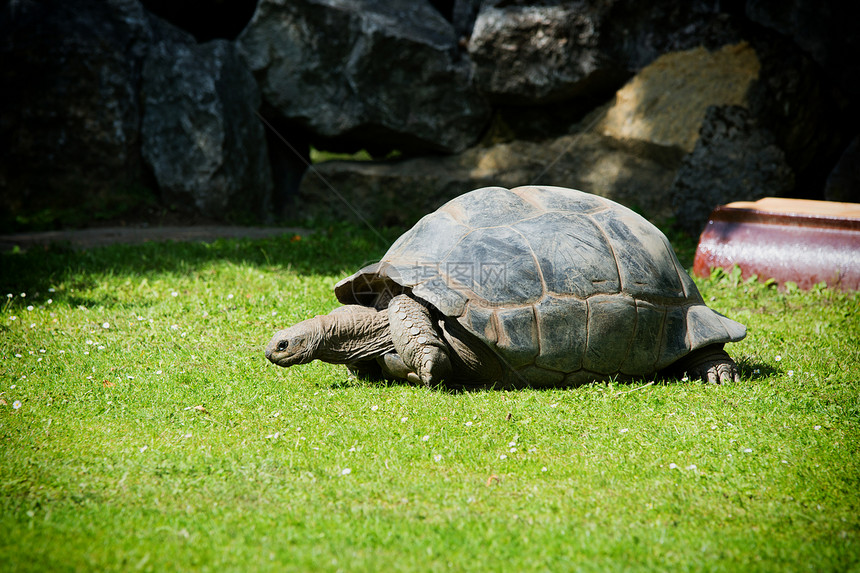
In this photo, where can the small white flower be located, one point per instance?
(790, 373)
(13, 318)
(274, 313)
(543, 469)
(816, 427)
(89, 342)
(673, 466)
(140, 318)
(778, 358)
(532, 450)
(23, 295)
(105, 325)
(554, 405)
(18, 356)
(174, 327)
(50, 301)
(10, 295)
(129, 376)
(374, 408)
(714, 427)
(144, 448)
(512, 444)
(345, 472)
(747, 450)
(403, 419)
(30, 307)
(783, 461)
(101, 347)
(503, 457)
(52, 289)
(513, 450)
(13, 386)
(229, 296)
(425, 438)
(624, 430)
(437, 457)
(468, 424)
(16, 404)
(691, 467)
(174, 294)
(41, 351)
(158, 371)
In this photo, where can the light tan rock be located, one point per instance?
(665, 103)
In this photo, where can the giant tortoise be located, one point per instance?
(533, 286)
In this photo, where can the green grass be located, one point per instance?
(142, 429)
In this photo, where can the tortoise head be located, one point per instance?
(297, 344)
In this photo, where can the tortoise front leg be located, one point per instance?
(417, 342)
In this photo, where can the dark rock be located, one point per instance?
(812, 122)
(463, 17)
(200, 133)
(733, 160)
(366, 73)
(400, 192)
(640, 32)
(827, 31)
(539, 54)
(843, 184)
(69, 135)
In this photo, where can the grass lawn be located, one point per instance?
(142, 429)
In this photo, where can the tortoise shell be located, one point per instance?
(564, 286)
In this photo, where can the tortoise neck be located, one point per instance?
(353, 333)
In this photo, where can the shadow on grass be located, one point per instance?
(755, 370)
(336, 249)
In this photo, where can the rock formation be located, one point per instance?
(667, 107)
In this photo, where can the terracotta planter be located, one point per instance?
(806, 242)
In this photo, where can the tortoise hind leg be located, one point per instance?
(711, 364)
(416, 341)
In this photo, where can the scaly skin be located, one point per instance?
(417, 342)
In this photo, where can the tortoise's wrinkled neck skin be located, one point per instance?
(346, 335)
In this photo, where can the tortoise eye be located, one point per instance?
(282, 345)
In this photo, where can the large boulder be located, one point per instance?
(665, 103)
(400, 192)
(200, 132)
(70, 116)
(539, 54)
(735, 159)
(365, 74)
